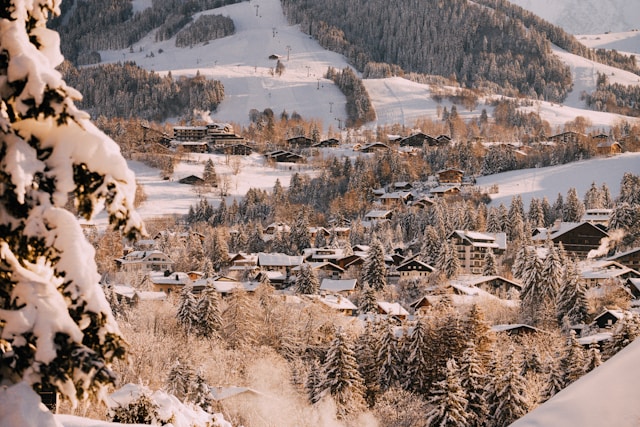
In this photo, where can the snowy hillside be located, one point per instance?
(607, 395)
(587, 16)
(241, 62)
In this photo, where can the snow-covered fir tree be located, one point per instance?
(536, 214)
(473, 380)
(366, 353)
(532, 295)
(314, 382)
(572, 304)
(388, 358)
(239, 321)
(179, 380)
(573, 208)
(593, 198)
(51, 157)
(299, 236)
(593, 358)
(341, 379)
(200, 392)
(431, 244)
(448, 263)
(209, 320)
(489, 267)
(520, 261)
(369, 300)
(554, 378)
(552, 274)
(448, 400)
(374, 271)
(209, 175)
(307, 282)
(217, 250)
(625, 331)
(507, 391)
(418, 364)
(186, 315)
(572, 363)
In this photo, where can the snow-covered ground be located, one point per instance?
(587, 16)
(606, 396)
(241, 62)
(550, 181)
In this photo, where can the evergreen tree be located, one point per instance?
(532, 296)
(300, 237)
(209, 175)
(519, 263)
(388, 359)
(572, 363)
(625, 332)
(493, 221)
(369, 301)
(313, 383)
(478, 330)
(186, 315)
(209, 319)
(419, 361)
(448, 401)
(217, 250)
(489, 268)
(431, 244)
(593, 358)
(536, 213)
(572, 303)
(473, 380)
(624, 216)
(552, 272)
(593, 198)
(448, 263)
(507, 391)
(558, 208)
(307, 281)
(239, 320)
(200, 392)
(554, 378)
(341, 378)
(366, 353)
(374, 269)
(573, 209)
(53, 157)
(607, 200)
(179, 380)
(547, 210)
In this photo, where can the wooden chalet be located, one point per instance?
(630, 258)
(326, 143)
(515, 329)
(418, 140)
(414, 268)
(578, 238)
(599, 272)
(372, 147)
(392, 309)
(608, 148)
(376, 215)
(191, 146)
(338, 286)
(450, 176)
(236, 149)
(397, 198)
(299, 141)
(568, 137)
(168, 283)
(609, 317)
(497, 286)
(191, 180)
(337, 303)
(282, 156)
(445, 191)
(443, 140)
(472, 246)
(632, 285)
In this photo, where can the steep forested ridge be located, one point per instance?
(86, 26)
(126, 90)
(472, 43)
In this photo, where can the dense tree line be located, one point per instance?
(126, 90)
(359, 107)
(561, 38)
(92, 25)
(614, 97)
(205, 28)
(458, 38)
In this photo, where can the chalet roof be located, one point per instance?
(378, 214)
(336, 302)
(623, 254)
(482, 240)
(319, 265)
(603, 269)
(137, 256)
(175, 278)
(279, 260)
(342, 285)
(475, 280)
(414, 261)
(460, 171)
(441, 189)
(563, 228)
(513, 327)
(396, 195)
(607, 144)
(595, 338)
(392, 308)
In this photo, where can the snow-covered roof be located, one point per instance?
(512, 326)
(340, 285)
(597, 338)
(221, 393)
(175, 278)
(335, 302)
(392, 308)
(279, 260)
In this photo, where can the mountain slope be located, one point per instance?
(587, 16)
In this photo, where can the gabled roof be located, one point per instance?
(335, 302)
(623, 254)
(392, 308)
(279, 260)
(424, 266)
(342, 285)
